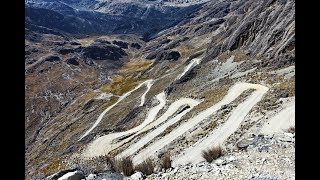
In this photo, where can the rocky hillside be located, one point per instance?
(222, 74)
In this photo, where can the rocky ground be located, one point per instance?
(268, 157)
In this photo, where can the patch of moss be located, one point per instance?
(211, 97)
(53, 167)
(112, 100)
(121, 84)
(184, 51)
(212, 125)
(238, 56)
(288, 86)
(136, 65)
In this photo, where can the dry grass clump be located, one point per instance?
(291, 129)
(212, 154)
(166, 161)
(125, 165)
(146, 167)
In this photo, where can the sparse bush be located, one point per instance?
(125, 165)
(212, 154)
(291, 129)
(146, 167)
(166, 161)
(106, 160)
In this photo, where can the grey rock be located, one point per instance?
(137, 176)
(219, 162)
(59, 174)
(91, 177)
(109, 176)
(264, 178)
(75, 175)
(70, 149)
(246, 142)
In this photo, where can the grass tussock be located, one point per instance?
(211, 97)
(291, 129)
(166, 161)
(125, 165)
(238, 56)
(288, 86)
(106, 160)
(212, 154)
(145, 167)
(53, 167)
(121, 84)
(136, 65)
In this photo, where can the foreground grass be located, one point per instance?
(212, 154)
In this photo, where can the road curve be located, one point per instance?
(103, 145)
(233, 93)
(281, 121)
(174, 107)
(218, 136)
(147, 82)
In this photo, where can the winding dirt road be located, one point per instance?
(233, 93)
(147, 83)
(218, 136)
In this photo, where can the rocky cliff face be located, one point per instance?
(209, 72)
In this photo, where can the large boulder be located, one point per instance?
(137, 176)
(59, 174)
(75, 175)
(244, 143)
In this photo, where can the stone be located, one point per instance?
(91, 177)
(175, 170)
(246, 142)
(284, 95)
(75, 43)
(224, 106)
(219, 162)
(289, 135)
(136, 176)
(231, 158)
(285, 139)
(59, 174)
(75, 175)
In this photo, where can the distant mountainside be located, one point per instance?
(107, 17)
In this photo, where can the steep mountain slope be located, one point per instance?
(222, 73)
